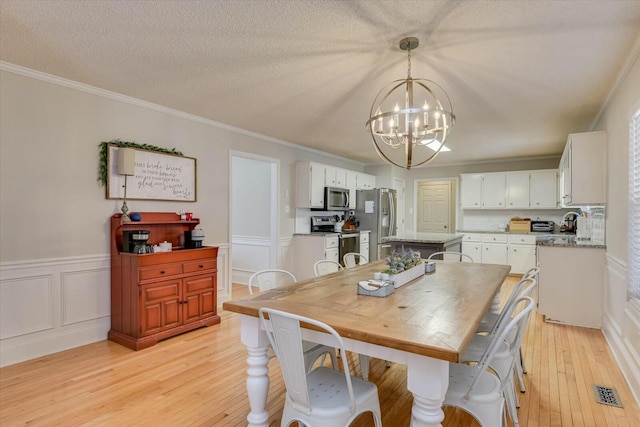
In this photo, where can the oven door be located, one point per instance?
(349, 243)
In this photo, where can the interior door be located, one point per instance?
(434, 207)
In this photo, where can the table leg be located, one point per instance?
(427, 380)
(258, 371)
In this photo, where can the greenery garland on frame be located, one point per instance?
(102, 167)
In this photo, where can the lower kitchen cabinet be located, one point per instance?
(571, 285)
(309, 248)
(517, 250)
(364, 246)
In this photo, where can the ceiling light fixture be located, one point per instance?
(409, 114)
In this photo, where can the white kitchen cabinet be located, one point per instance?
(309, 248)
(494, 249)
(517, 185)
(570, 286)
(494, 190)
(310, 183)
(521, 252)
(335, 177)
(582, 169)
(364, 246)
(350, 184)
(472, 246)
(471, 190)
(543, 192)
(365, 181)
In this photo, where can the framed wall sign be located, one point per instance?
(158, 176)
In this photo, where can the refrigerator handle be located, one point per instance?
(392, 223)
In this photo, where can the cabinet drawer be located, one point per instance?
(205, 264)
(521, 239)
(147, 273)
(364, 238)
(331, 242)
(472, 237)
(494, 238)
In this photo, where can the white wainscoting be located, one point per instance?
(250, 254)
(621, 323)
(51, 305)
(285, 254)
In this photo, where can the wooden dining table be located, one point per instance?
(425, 324)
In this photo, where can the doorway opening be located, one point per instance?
(253, 214)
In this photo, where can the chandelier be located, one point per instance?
(408, 121)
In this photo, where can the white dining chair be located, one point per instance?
(323, 396)
(326, 266)
(272, 278)
(509, 349)
(352, 259)
(474, 389)
(451, 256)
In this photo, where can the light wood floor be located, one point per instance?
(197, 379)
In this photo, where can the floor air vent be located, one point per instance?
(606, 395)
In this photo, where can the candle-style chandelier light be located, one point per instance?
(408, 121)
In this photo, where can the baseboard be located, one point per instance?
(625, 356)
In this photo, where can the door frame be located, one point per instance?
(274, 172)
(456, 202)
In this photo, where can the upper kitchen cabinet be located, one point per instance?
(471, 190)
(310, 183)
(582, 170)
(335, 177)
(365, 181)
(543, 189)
(351, 185)
(517, 190)
(535, 189)
(494, 190)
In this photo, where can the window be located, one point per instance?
(633, 263)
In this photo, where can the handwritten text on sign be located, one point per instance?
(158, 177)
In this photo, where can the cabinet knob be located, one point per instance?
(162, 272)
(201, 266)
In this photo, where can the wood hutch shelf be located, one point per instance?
(159, 295)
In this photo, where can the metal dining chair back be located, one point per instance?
(323, 396)
(325, 266)
(352, 259)
(450, 256)
(270, 279)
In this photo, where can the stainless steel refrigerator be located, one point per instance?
(376, 211)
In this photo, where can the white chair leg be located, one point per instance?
(519, 372)
(364, 365)
(388, 364)
(524, 368)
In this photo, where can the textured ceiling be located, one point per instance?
(521, 74)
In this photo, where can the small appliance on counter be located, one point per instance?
(194, 238)
(569, 222)
(135, 242)
(542, 226)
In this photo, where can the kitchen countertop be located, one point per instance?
(330, 233)
(568, 241)
(421, 237)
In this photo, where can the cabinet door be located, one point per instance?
(199, 297)
(517, 190)
(471, 190)
(522, 258)
(565, 174)
(543, 191)
(474, 250)
(494, 254)
(160, 306)
(365, 181)
(332, 254)
(316, 185)
(341, 178)
(494, 190)
(350, 184)
(364, 250)
(330, 176)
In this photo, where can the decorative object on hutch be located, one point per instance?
(158, 295)
(126, 167)
(408, 116)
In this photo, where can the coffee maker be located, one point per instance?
(193, 238)
(135, 242)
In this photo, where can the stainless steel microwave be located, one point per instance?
(336, 198)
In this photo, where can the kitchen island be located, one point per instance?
(425, 243)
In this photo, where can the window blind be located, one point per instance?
(633, 264)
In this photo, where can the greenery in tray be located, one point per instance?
(401, 261)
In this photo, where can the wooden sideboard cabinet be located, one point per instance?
(158, 295)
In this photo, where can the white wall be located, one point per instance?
(54, 217)
(251, 197)
(622, 318)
